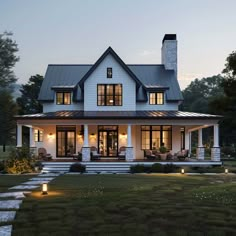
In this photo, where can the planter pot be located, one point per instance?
(163, 156)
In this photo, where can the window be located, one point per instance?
(109, 95)
(63, 98)
(156, 98)
(109, 72)
(38, 135)
(155, 136)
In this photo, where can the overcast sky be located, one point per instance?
(76, 31)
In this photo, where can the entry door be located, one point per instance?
(108, 143)
(65, 143)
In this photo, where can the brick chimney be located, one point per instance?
(169, 52)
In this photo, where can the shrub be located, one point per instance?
(209, 169)
(2, 166)
(170, 168)
(157, 168)
(139, 169)
(19, 166)
(77, 168)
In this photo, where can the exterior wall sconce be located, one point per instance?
(123, 135)
(50, 135)
(92, 135)
(182, 171)
(226, 171)
(44, 189)
(80, 135)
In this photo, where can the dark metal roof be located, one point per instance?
(169, 37)
(119, 115)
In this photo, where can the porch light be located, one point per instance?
(182, 171)
(92, 135)
(50, 135)
(44, 189)
(80, 135)
(226, 171)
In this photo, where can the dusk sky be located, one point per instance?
(78, 32)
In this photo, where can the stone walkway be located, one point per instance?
(11, 201)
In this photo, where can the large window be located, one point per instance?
(156, 98)
(109, 95)
(38, 135)
(155, 136)
(63, 98)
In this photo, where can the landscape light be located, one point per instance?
(182, 171)
(44, 188)
(226, 171)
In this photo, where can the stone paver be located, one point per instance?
(14, 194)
(6, 216)
(49, 175)
(24, 187)
(6, 230)
(10, 204)
(36, 182)
(42, 179)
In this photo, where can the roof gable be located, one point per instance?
(119, 61)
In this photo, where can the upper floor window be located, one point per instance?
(63, 98)
(109, 72)
(156, 98)
(109, 94)
(38, 135)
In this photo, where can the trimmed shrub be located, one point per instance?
(209, 169)
(77, 168)
(139, 169)
(170, 168)
(157, 168)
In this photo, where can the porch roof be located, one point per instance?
(118, 115)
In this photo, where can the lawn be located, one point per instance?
(131, 205)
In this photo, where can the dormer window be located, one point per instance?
(109, 72)
(156, 98)
(63, 98)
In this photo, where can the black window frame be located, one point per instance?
(63, 98)
(156, 98)
(103, 98)
(37, 135)
(109, 72)
(152, 129)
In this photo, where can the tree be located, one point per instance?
(8, 49)
(201, 92)
(28, 102)
(8, 109)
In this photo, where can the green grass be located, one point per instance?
(131, 205)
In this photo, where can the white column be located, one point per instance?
(86, 142)
(129, 136)
(190, 143)
(200, 138)
(31, 134)
(216, 135)
(19, 136)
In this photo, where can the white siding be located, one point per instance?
(119, 76)
(165, 107)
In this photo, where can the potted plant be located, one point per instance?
(163, 151)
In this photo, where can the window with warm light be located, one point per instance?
(63, 98)
(109, 95)
(38, 135)
(155, 136)
(156, 98)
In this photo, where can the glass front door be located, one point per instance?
(65, 142)
(108, 141)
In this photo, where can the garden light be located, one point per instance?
(182, 171)
(44, 188)
(226, 171)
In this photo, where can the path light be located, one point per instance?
(44, 188)
(226, 171)
(182, 171)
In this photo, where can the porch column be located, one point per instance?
(200, 148)
(215, 150)
(31, 134)
(19, 136)
(129, 149)
(86, 148)
(190, 143)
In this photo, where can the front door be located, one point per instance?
(65, 141)
(108, 141)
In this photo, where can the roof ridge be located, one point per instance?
(70, 64)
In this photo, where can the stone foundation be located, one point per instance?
(129, 154)
(200, 153)
(86, 154)
(215, 154)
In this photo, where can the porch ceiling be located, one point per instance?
(91, 115)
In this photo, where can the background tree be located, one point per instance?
(28, 102)
(8, 109)
(8, 58)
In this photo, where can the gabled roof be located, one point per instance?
(118, 59)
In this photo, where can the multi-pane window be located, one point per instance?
(109, 95)
(38, 135)
(155, 136)
(109, 72)
(156, 98)
(63, 98)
